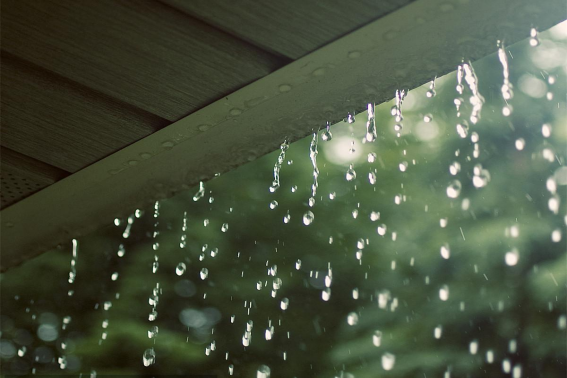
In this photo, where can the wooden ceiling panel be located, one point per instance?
(21, 176)
(291, 28)
(144, 53)
(62, 123)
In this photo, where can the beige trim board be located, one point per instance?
(401, 50)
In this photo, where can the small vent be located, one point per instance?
(15, 187)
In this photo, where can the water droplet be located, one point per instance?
(512, 257)
(263, 372)
(114, 276)
(372, 178)
(454, 189)
(287, 218)
(473, 347)
(149, 357)
(562, 322)
(352, 318)
(204, 273)
(371, 157)
(308, 218)
(427, 118)
(311, 201)
(284, 88)
(463, 129)
(326, 294)
(444, 293)
(181, 267)
(445, 252)
(438, 331)
(382, 229)
(534, 40)
(167, 144)
(351, 173)
(520, 144)
(388, 361)
(153, 332)
(235, 111)
(546, 130)
(224, 227)
(284, 304)
(152, 315)
(377, 338)
(294, 188)
(374, 216)
(556, 236)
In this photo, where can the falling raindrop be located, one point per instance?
(273, 204)
(181, 267)
(388, 361)
(263, 372)
(308, 218)
(438, 331)
(352, 318)
(351, 173)
(149, 357)
(454, 189)
(377, 338)
(444, 293)
(534, 40)
(204, 273)
(512, 257)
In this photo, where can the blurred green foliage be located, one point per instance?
(515, 312)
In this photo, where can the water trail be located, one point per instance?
(431, 92)
(149, 355)
(476, 98)
(371, 124)
(313, 156)
(278, 166)
(127, 230)
(534, 40)
(396, 111)
(200, 193)
(73, 269)
(506, 88)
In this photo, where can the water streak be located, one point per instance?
(278, 166)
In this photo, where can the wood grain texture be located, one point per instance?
(140, 52)
(291, 28)
(21, 176)
(63, 124)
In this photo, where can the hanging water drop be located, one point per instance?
(149, 357)
(200, 193)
